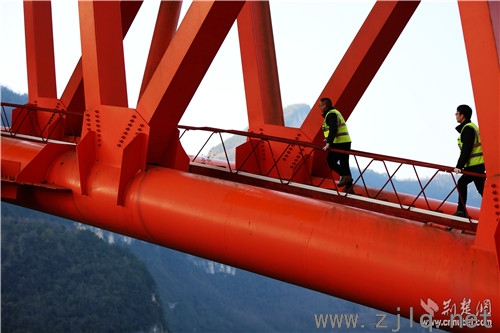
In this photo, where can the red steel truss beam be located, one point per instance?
(363, 58)
(73, 95)
(102, 53)
(41, 67)
(39, 50)
(40, 61)
(481, 28)
(180, 72)
(347, 85)
(166, 26)
(260, 71)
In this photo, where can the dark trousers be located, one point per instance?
(339, 162)
(465, 180)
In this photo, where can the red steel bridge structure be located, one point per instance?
(269, 205)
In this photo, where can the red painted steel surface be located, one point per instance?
(259, 66)
(128, 172)
(39, 39)
(179, 73)
(481, 27)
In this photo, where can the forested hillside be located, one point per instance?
(56, 278)
(7, 95)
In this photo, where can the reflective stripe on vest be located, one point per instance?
(342, 132)
(476, 156)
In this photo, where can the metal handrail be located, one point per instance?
(13, 126)
(309, 148)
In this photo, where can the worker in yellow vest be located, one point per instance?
(471, 157)
(337, 137)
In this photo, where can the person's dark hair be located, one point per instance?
(465, 110)
(327, 101)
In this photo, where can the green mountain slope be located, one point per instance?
(57, 278)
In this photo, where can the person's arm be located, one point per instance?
(331, 121)
(468, 137)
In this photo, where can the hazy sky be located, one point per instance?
(407, 111)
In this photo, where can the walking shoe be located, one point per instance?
(345, 180)
(348, 189)
(460, 213)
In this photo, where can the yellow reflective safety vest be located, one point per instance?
(476, 155)
(342, 132)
